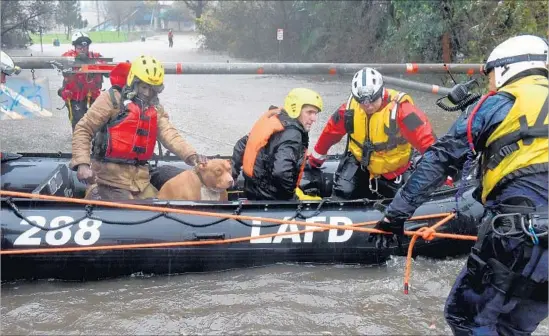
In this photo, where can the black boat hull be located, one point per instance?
(329, 246)
(120, 227)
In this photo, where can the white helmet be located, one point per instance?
(7, 66)
(367, 85)
(81, 38)
(516, 55)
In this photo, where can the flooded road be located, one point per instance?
(213, 112)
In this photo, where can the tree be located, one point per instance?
(69, 15)
(197, 6)
(179, 12)
(18, 18)
(120, 12)
(366, 31)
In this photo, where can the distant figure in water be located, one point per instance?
(170, 37)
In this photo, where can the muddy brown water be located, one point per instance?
(213, 112)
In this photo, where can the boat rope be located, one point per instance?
(90, 208)
(89, 204)
(427, 233)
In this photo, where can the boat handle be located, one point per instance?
(204, 236)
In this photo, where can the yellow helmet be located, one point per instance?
(298, 97)
(148, 69)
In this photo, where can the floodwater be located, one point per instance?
(213, 112)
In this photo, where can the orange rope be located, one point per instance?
(165, 244)
(427, 233)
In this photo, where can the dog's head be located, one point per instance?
(216, 174)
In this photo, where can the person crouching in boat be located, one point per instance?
(383, 128)
(125, 123)
(273, 155)
(502, 289)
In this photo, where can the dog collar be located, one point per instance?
(204, 184)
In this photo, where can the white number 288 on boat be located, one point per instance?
(86, 232)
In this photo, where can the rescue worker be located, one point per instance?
(383, 128)
(125, 123)
(273, 155)
(502, 289)
(80, 90)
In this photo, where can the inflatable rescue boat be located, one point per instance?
(48, 231)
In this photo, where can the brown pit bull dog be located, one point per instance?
(205, 182)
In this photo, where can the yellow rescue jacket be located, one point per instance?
(379, 135)
(519, 145)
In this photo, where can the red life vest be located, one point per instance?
(79, 86)
(131, 137)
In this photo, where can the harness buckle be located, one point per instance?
(398, 179)
(505, 224)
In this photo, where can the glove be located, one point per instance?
(395, 226)
(314, 162)
(85, 174)
(304, 197)
(82, 57)
(196, 159)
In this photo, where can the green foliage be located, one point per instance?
(68, 14)
(19, 18)
(367, 31)
(96, 37)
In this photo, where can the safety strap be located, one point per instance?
(512, 59)
(508, 144)
(392, 131)
(493, 272)
(113, 98)
(471, 117)
(483, 230)
(123, 161)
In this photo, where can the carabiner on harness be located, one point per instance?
(535, 230)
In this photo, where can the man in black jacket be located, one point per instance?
(273, 155)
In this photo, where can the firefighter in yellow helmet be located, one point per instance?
(273, 155)
(125, 123)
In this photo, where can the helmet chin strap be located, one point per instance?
(132, 92)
